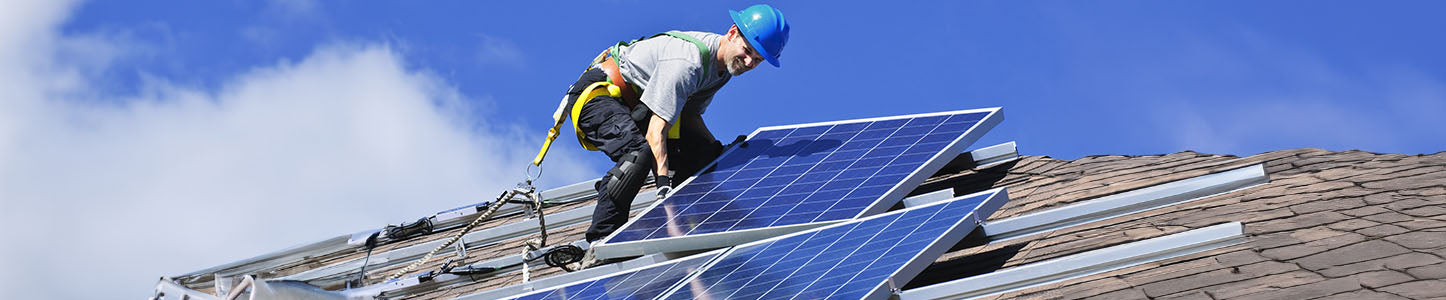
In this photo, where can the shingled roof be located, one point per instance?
(1332, 225)
(1349, 225)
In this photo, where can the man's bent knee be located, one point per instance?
(616, 191)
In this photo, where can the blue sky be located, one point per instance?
(349, 115)
(1076, 78)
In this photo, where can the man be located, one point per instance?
(657, 83)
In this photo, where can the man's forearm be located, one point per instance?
(657, 137)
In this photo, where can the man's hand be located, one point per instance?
(737, 141)
(664, 184)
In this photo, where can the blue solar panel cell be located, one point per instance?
(846, 261)
(642, 283)
(809, 173)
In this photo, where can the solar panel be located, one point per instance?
(853, 260)
(791, 178)
(642, 283)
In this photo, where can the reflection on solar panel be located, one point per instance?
(642, 283)
(790, 178)
(854, 260)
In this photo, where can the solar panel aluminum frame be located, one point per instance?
(606, 250)
(995, 201)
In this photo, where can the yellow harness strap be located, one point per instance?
(592, 91)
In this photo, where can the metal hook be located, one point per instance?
(528, 173)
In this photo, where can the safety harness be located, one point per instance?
(616, 87)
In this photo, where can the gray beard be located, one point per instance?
(733, 68)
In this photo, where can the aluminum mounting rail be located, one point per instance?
(1083, 264)
(295, 255)
(1114, 205)
(339, 273)
(991, 156)
(1127, 203)
(169, 289)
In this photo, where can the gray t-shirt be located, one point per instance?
(670, 73)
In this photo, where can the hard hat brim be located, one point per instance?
(752, 39)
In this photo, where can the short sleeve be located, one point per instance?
(698, 104)
(670, 88)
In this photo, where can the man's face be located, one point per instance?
(739, 56)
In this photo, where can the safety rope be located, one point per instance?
(491, 209)
(534, 244)
(559, 256)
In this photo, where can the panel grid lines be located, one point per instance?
(801, 175)
(710, 216)
(890, 184)
(849, 260)
(643, 283)
(835, 266)
(771, 266)
(911, 237)
(795, 271)
(781, 165)
(795, 179)
(876, 259)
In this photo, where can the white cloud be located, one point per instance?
(103, 194)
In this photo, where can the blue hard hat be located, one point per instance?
(764, 28)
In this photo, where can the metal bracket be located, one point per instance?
(894, 287)
(461, 246)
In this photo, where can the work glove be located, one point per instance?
(664, 184)
(717, 149)
(738, 141)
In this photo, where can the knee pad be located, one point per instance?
(624, 180)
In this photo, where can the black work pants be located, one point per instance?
(608, 124)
